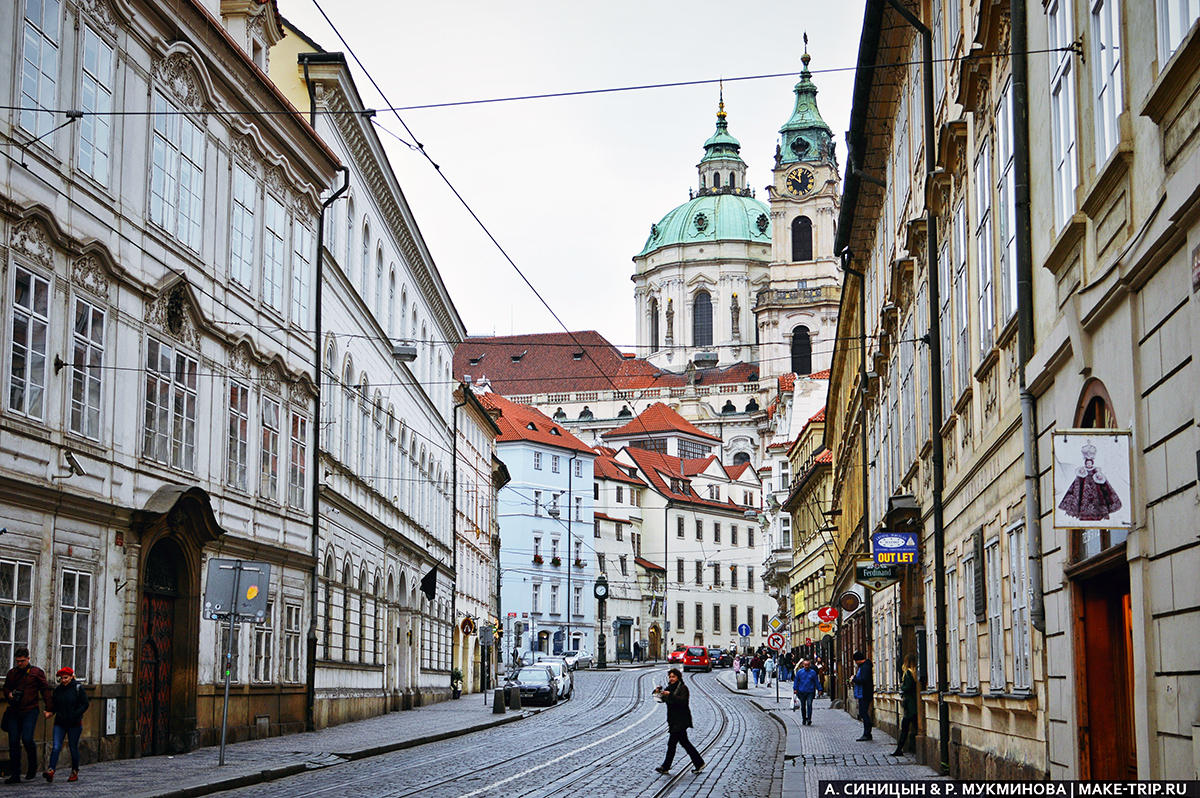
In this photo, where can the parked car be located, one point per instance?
(696, 658)
(557, 666)
(537, 683)
(676, 656)
(720, 659)
(577, 659)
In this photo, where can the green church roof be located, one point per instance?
(721, 145)
(806, 136)
(712, 217)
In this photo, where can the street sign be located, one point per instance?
(808, 641)
(487, 635)
(825, 628)
(890, 548)
(744, 630)
(827, 614)
(875, 577)
(512, 615)
(775, 623)
(776, 641)
(248, 579)
(744, 641)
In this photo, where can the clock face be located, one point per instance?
(601, 591)
(799, 182)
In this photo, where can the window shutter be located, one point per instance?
(979, 575)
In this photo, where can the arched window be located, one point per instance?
(363, 615)
(1095, 410)
(377, 472)
(653, 324)
(347, 410)
(752, 406)
(716, 179)
(801, 351)
(391, 304)
(732, 180)
(741, 457)
(379, 282)
(349, 235)
(346, 611)
(327, 632)
(364, 266)
(364, 425)
(702, 328)
(328, 401)
(802, 248)
(403, 311)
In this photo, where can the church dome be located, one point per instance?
(712, 217)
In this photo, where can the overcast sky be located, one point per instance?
(570, 185)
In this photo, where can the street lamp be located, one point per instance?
(600, 591)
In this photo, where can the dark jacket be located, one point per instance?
(864, 681)
(675, 696)
(806, 680)
(756, 663)
(908, 695)
(32, 684)
(70, 702)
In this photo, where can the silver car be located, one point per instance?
(577, 659)
(566, 682)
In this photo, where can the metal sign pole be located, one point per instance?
(237, 573)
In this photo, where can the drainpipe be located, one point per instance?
(935, 388)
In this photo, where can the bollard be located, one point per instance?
(514, 698)
(741, 680)
(498, 701)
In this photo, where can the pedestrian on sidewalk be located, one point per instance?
(756, 667)
(23, 686)
(637, 652)
(820, 677)
(805, 686)
(679, 720)
(769, 667)
(864, 691)
(908, 704)
(70, 702)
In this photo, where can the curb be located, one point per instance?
(282, 772)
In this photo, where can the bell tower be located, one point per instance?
(799, 309)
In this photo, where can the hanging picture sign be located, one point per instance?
(894, 548)
(1091, 479)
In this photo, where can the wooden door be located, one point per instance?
(1105, 677)
(154, 673)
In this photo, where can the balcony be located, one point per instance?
(802, 296)
(778, 565)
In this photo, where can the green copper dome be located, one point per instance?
(721, 145)
(712, 217)
(805, 135)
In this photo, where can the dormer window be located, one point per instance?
(577, 356)
(531, 426)
(517, 358)
(554, 431)
(475, 360)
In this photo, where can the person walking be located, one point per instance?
(23, 686)
(70, 701)
(756, 667)
(820, 677)
(769, 668)
(805, 687)
(908, 704)
(864, 691)
(679, 720)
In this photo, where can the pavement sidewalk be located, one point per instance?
(256, 761)
(828, 749)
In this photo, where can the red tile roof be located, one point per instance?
(524, 423)
(819, 375)
(577, 361)
(787, 381)
(606, 467)
(735, 471)
(691, 467)
(818, 416)
(658, 418)
(826, 456)
(606, 517)
(660, 468)
(648, 565)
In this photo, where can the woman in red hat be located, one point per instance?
(70, 702)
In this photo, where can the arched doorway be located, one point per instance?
(655, 642)
(160, 591)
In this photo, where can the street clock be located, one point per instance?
(600, 590)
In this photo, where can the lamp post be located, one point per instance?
(600, 591)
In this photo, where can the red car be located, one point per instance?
(696, 657)
(676, 656)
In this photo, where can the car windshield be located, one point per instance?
(570, 653)
(696, 652)
(533, 675)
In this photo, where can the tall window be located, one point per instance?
(170, 418)
(349, 238)
(302, 246)
(939, 52)
(699, 529)
(946, 329)
(554, 599)
(962, 298)
(273, 253)
(679, 620)
(364, 263)
(908, 410)
(379, 284)
(952, 640)
(364, 426)
(983, 243)
(699, 617)
(1006, 209)
(995, 624)
(801, 351)
(268, 472)
(733, 571)
(241, 257)
(679, 526)
(391, 303)
(96, 93)
(39, 68)
(347, 411)
(263, 634)
(291, 642)
(702, 329)
(237, 452)
(699, 572)
(16, 586)
(87, 369)
(30, 332)
(972, 625)
(1018, 571)
(930, 632)
(733, 617)
(802, 240)
(298, 461)
(653, 313)
(75, 615)
(1175, 18)
(623, 561)
(1062, 110)
(1106, 79)
(679, 570)
(177, 174)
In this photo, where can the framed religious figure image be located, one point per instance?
(1091, 479)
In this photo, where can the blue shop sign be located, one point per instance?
(891, 548)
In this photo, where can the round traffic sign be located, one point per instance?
(743, 630)
(775, 641)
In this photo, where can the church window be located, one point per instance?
(732, 180)
(801, 351)
(716, 179)
(625, 412)
(739, 459)
(728, 408)
(702, 325)
(752, 406)
(802, 248)
(653, 324)
(585, 414)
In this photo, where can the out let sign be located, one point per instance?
(890, 548)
